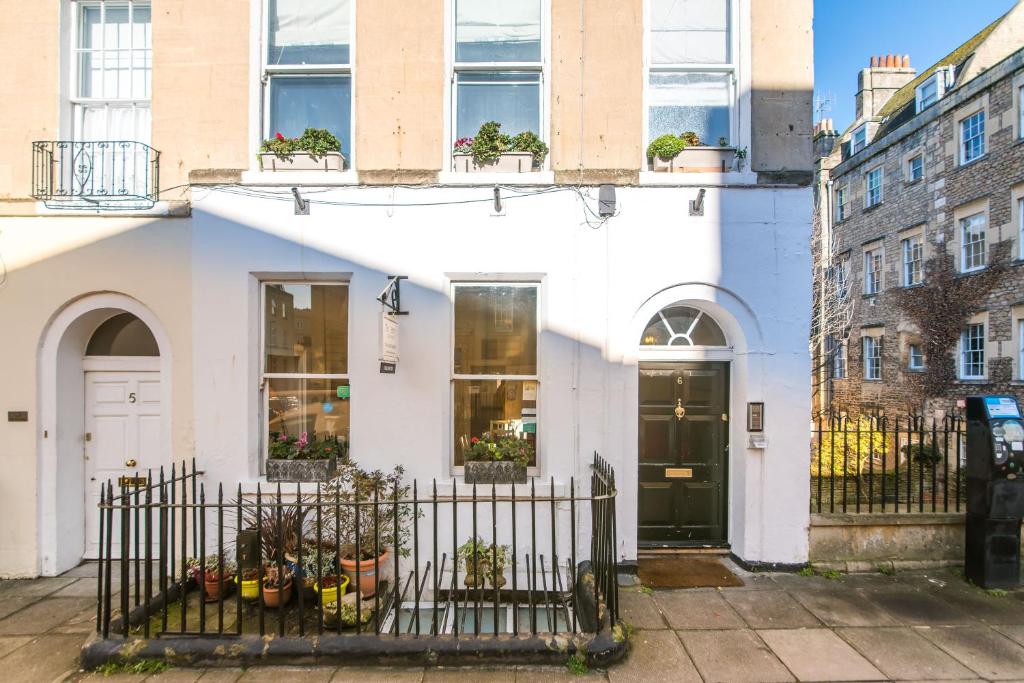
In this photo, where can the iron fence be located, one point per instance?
(525, 569)
(73, 174)
(874, 464)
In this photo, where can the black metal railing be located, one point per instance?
(95, 174)
(880, 464)
(528, 567)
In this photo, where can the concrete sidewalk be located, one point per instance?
(779, 627)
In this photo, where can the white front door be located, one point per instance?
(123, 436)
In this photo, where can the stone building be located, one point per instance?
(933, 164)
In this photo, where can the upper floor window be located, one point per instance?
(873, 261)
(972, 242)
(972, 352)
(111, 81)
(837, 353)
(494, 364)
(308, 68)
(931, 91)
(915, 357)
(1020, 111)
(498, 66)
(972, 137)
(842, 203)
(872, 358)
(913, 260)
(915, 168)
(859, 139)
(691, 70)
(874, 190)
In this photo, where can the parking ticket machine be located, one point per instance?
(995, 491)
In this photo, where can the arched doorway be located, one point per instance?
(104, 369)
(683, 430)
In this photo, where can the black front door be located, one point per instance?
(683, 453)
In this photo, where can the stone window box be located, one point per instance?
(487, 472)
(279, 469)
(698, 160)
(301, 161)
(510, 162)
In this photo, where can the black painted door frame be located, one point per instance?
(683, 459)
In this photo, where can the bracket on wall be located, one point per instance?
(697, 205)
(301, 205)
(391, 296)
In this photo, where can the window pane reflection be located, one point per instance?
(501, 408)
(306, 329)
(312, 406)
(495, 330)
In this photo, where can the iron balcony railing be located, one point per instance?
(546, 562)
(114, 174)
(880, 464)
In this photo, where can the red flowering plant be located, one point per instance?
(314, 141)
(463, 146)
(302, 447)
(504, 449)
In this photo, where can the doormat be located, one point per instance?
(686, 572)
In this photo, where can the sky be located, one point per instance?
(847, 33)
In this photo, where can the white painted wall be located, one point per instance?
(746, 261)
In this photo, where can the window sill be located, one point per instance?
(657, 179)
(532, 178)
(915, 181)
(303, 178)
(162, 209)
(916, 285)
(973, 380)
(965, 164)
(873, 206)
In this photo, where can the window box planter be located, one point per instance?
(302, 161)
(495, 472)
(698, 160)
(509, 162)
(279, 469)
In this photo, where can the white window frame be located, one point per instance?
(268, 71)
(910, 168)
(873, 277)
(459, 470)
(859, 131)
(1020, 349)
(265, 376)
(872, 360)
(842, 203)
(913, 263)
(965, 337)
(939, 79)
(868, 189)
(1020, 228)
(965, 224)
(1020, 112)
(542, 67)
(837, 349)
(964, 125)
(911, 357)
(732, 68)
(77, 103)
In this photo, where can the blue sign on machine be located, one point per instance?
(1001, 407)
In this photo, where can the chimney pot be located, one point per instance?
(906, 61)
(874, 61)
(890, 61)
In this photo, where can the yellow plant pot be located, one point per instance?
(250, 589)
(331, 594)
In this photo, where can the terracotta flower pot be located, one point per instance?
(214, 586)
(364, 573)
(276, 597)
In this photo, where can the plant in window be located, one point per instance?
(665, 147)
(492, 449)
(318, 146)
(691, 139)
(490, 143)
(463, 146)
(303, 458)
(528, 141)
(723, 142)
(493, 150)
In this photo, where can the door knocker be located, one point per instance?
(680, 411)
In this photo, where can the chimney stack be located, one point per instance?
(877, 83)
(824, 138)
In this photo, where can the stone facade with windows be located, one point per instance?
(952, 157)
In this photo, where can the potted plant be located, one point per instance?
(497, 460)
(490, 150)
(688, 154)
(365, 569)
(316, 149)
(277, 586)
(349, 613)
(330, 587)
(484, 563)
(741, 157)
(302, 458)
(217, 577)
(249, 583)
(663, 150)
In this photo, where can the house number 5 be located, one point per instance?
(131, 397)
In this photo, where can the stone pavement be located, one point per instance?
(779, 627)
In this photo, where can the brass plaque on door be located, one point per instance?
(131, 482)
(678, 473)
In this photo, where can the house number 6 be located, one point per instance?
(679, 380)
(131, 397)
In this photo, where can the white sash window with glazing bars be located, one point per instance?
(972, 137)
(972, 352)
(972, 243)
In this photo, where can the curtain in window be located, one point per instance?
(490, 31)
(689, 31)
(309, 31)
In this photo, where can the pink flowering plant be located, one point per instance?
(302, 447)
(314, 141)
(463, 146)
(505, 449)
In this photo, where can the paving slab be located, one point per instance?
(9, 644)
(640, 611)
(44, 615)
(551, 674)
(796, 582)
(176, 675)
(842, 608)
(33, 587)
(376, 675)
(221, 675)
(83, 622)
(43, 659)
(655, 657)
(1014, 633)
(903, 655)
(689, 610)
(9, 605)
(80, 588)
(507, 675)
(989, 654)
(819, 655)
(276, 674)
(979, 604)
(734, 656)
(917, 608)
(751, 582)
(770, 609)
